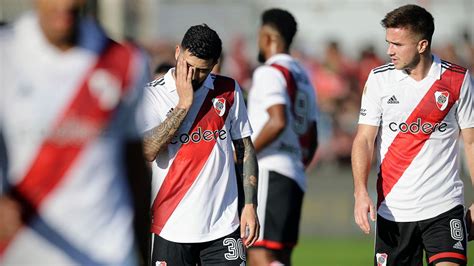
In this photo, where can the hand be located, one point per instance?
(364, 205)
(469, 222)
(184, 86)
(249, 220)
(10, 218)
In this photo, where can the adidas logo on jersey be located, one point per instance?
(458, 245)
(393, 100)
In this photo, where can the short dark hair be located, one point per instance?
(202, 42)
(414, 17)
(282, 21)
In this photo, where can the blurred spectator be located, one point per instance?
(236, 64)
(68, 142)
(367, 61)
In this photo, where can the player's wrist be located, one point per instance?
(183, 105)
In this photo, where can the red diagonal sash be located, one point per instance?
(192, 156)
(60, 149)
(406, 146)
(291, 88)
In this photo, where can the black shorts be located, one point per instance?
(279, 210)
(227, 250)
(443, 238)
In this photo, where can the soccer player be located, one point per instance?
(282, 111)
(413, 112)
(191, 118)
(67, 130)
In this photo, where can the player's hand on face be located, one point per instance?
(184, 87)
(249, 225)
(363, 206)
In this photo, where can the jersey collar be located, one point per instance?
(434, 72)
(170, 83)
(277, 57)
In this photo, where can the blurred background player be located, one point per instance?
(161, 70)
(415, 109)
(69, 142)
(191, 118)
(282, 110)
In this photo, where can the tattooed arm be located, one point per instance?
(159, 136)
(247, 169)
(156, 138)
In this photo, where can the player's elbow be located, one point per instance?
(149, 155)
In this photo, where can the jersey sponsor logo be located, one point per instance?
(200, 135)
(381, 259)
(441, 98)
(418, 127)
(393, 100)
(219, 105)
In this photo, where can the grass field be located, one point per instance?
(340, 252)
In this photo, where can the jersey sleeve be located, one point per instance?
(371, 108)
(240, 125)
(269, 86)
(465, 109)
(147, 112)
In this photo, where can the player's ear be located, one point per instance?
(422, 46)
(177, 52)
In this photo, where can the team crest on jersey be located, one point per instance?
(106, 88)
(161, 263)
(441, 98)
(381, 259)
(219, 105)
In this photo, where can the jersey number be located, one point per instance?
(235, 247)
(301, 112)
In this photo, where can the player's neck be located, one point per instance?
(421, 70)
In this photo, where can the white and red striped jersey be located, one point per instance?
(270, 87)
(194, 179)
(65, 118)
(417, 144)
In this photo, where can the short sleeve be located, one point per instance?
(465, 111)
(240, 125)
(269, 86)
(371, 108)
(147, 114)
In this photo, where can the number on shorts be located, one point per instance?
(301, 112)
(235, 247)
(456, 229)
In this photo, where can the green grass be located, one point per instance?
(340, 252)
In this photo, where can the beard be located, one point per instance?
(261, 58)
(196, 84)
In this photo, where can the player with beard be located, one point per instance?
(282, 111)
(412, 115)
(191, 119)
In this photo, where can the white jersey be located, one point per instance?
(86, 217)
(270, 88)
(194, 179)
(417, 144)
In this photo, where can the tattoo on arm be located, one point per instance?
(161, 135)
(247, 168)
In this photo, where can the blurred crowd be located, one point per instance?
(338, 78)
